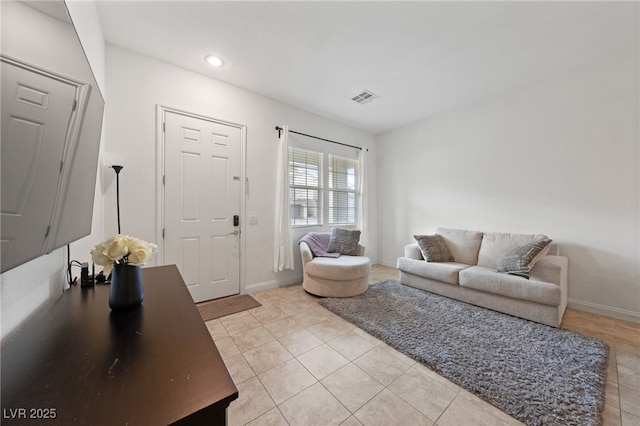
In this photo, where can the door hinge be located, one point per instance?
(61, 166)
(164, 180)
(75, 105)
(46, 234)
(163, 233)
(164, 126)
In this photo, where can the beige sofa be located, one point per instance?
(472, 276)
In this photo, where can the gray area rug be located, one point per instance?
(538, 374)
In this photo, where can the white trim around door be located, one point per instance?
(161, 111)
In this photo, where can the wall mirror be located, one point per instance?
(51, 117)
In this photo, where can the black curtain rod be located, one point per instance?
(280, 129)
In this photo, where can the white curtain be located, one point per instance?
(282, 247)
(364, 200)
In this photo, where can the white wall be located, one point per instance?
(87, 24)
(559, 156)
(32, 286)
(28, 288)
(137, 84)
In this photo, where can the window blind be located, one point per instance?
(305, 184)
(342, 190)
(323, 188)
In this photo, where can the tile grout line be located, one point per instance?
(621, 338)
(327, 342)
(298, 361)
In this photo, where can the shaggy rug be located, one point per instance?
(538, 374)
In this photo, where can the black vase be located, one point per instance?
(126, 287)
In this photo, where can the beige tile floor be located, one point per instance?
(295, 363)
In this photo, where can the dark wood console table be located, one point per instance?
(79, 363)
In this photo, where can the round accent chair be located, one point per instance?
(343, 276)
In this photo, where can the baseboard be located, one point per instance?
(266, 285)
(608, 311)
(390, 264)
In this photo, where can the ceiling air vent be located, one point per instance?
(365, 97)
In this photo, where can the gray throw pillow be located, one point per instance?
(520, 259)
(344, 241)
(433, 248)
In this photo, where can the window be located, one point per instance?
(319, 179)
(342, 190)
(305, 180)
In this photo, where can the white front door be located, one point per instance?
(202, 202)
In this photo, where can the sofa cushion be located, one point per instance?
(520, 259)
(487, 279)
(433, 248)
(344, 241)
(462, 244)
(339, 269)
(496, 244)
(446, 271)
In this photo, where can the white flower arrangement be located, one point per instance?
(122, 250)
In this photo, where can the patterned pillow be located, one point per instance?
(433, 248)
(520, 259)
(344, 241)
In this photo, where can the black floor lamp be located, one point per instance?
(118, 169)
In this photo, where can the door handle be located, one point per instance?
(236, 232)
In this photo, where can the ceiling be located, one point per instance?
(420, 57)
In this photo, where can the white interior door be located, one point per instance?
(36, 114)
(202, 197)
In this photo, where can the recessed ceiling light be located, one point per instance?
(214, 61)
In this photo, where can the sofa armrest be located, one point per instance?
(553, 269)
(305, 253)
(412, 251)
(550, 269)
(361, 250)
